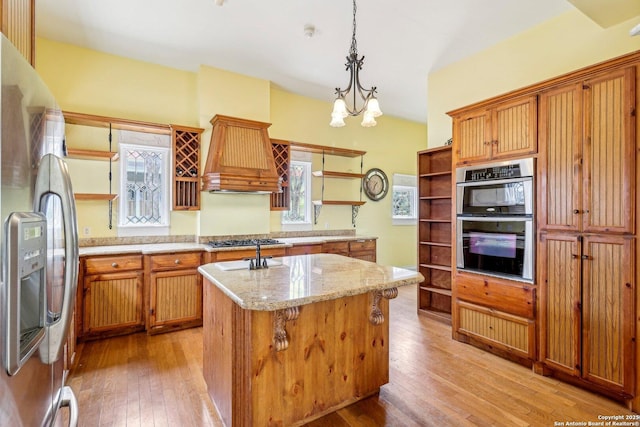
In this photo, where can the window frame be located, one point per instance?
(307, 224)
(402, 183)
(165, 214)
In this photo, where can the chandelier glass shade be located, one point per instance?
(370, 108)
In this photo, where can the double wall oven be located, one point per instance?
(495, 219)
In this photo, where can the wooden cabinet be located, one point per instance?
(587, 214)
(364, 249)
(17, 23)
(304, 249)
(112, 295)
(587, 155)
(506, 129)
(185, 145)
(175, 291)
(434, 232)
(587, 307)
(496, 314)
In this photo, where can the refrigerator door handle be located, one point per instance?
(53, 178)
(68, 399)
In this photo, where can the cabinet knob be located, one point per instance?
(585, 257)
(576, 211)
(574, 256)
(177, 261)
(114, 264)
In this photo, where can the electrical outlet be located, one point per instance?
(86, 231)
(326, 225)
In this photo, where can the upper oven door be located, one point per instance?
(496, 197)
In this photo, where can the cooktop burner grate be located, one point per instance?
(243, 242)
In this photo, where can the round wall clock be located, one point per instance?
(375, 184)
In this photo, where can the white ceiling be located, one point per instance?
(402, 40)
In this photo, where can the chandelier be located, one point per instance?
(370, 105)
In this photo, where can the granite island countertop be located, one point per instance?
(304, 279)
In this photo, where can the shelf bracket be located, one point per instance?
(316, 213)
(354, 214)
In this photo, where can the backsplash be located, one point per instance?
(144, 240)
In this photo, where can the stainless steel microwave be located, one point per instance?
(496, 189)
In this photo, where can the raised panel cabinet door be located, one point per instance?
(559, 305)
(608, 312)
(514, 128)
(609, 154)
(175, 297)
(558, 168)
(472, 136)
(112, 301)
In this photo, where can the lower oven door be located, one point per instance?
(496, 246)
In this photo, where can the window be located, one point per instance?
(404, 210)
(300, 194)
(144, 180)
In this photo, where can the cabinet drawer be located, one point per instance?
(248, 253)
(362, 245)
(504, 295)
(112, 264)
(304, 250)
(340, 248)
(502, 330)
(175, 260)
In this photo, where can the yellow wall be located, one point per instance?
(391, 146)
(557, 46)
(92, 82)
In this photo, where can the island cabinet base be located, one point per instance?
(335, 356)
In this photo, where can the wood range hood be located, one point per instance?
(240, 158)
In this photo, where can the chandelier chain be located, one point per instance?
(354, 43)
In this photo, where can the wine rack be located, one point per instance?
(186, 168)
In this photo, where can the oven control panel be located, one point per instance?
(497, 172)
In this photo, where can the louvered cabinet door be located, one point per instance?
(472, 136)
(514, 130)
(558, 169)
(560, 335)
(608, 312)
(609, 154)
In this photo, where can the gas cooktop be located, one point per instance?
(244, 242)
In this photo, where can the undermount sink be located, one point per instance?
(242, 264)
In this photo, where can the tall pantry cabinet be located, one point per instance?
(586, 245)
(584, 301)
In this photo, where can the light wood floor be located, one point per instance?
(138, 380)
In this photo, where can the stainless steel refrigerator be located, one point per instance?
(39, 249)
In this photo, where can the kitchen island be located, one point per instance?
(290, 343)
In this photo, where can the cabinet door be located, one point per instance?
(113, 302)
(472, 136)
(514, 128)
(559, 265)
(560, 130)
(175, 298)
(609, 153)
(608, 312)
(17, 23)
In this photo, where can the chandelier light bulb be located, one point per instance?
(340, 108)
(367, 120)
(373, 107)
(337, 121)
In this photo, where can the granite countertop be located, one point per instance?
(317, 277)
(158, 248)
